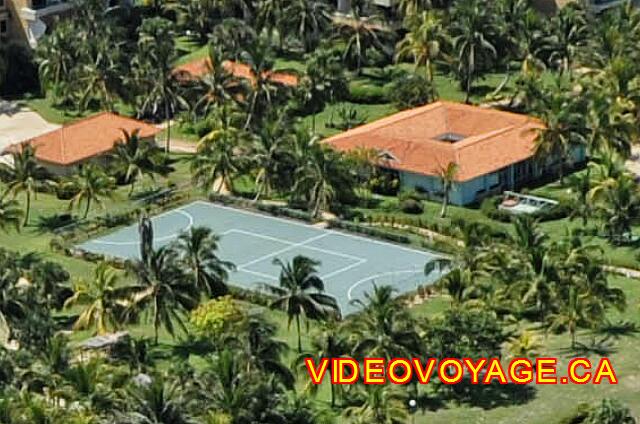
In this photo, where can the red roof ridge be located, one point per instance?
(385, 121)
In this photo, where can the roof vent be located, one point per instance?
(450, 137)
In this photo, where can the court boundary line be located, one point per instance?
(174, 235)
(291, 246)
(291, 243)
(382, 274)
(332, 231)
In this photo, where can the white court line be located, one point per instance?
(340, 233)
(290, 243)
(345, 269)
(258, 274)
(164, 238)
(364, 280)
(278, 252)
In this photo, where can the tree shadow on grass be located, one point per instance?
(602, 347)
(489, 396)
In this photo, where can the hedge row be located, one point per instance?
(370, 231)
(272, 209)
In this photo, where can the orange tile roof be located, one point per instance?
(200, 67)
(84, 139)
(492, 139)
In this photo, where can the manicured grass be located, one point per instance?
(32, 238)
(552, 402)
(330, 112)
(45, 107)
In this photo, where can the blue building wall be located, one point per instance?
(473, 190)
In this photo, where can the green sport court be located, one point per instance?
(350, 264)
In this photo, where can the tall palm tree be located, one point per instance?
(218, 86)
(196, 249)
(10, 214)
(91, 185)
(218, 159)
(618, 203)
(360, 34)
(563, 130)
(378, 405)
(104, 301)
(322, 175)
(262, 89)
(328, 342)
(159, 402)
(56, 56)
(270, 144)
(572, 314)
(100, 77)
(25, 175)
(473, 35)
(423, 43)
(569, 35)
(447, 177)
(300, 293)
(160, 91)
(308, 21)
(384, 329)
(134, 158)
(163, 291)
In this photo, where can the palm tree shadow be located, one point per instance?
(493, 395)
(601, 347)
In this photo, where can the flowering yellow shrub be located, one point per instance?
(216, 316)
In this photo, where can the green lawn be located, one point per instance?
(551, 402)
(32, 238)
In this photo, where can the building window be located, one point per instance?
(4, 27)
(1, 4)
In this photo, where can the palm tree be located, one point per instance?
(153, 72)
(300, 293)
(104, 299)
(572, 314)
(378, 405)
(196, 249)
(100, 77)
(563, 129)
(10, 214)
(581, 187)
(473, 33)
(163, 290)
(218, 159)
(218, 86)
(447, 177)
(134, 158)
(359, 35)
(423, 43)
(91, 185)
(308, 20)
(157, 402)
(271, 19)
(322, 175)
(262, 89)
(384, 329)
(618, 203)
(328, 342)
(269, 147)
(56, 56)
(25, 175)
(569, 35)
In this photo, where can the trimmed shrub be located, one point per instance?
(367, 94)
(411, 206)
(411, 90)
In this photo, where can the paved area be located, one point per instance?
(19, 124)
(350, 264)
